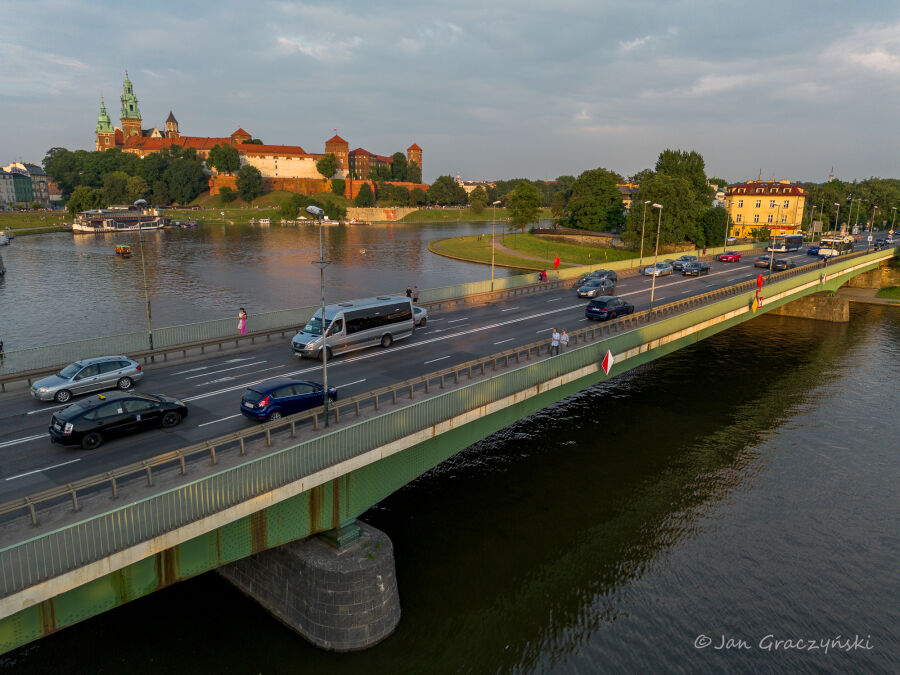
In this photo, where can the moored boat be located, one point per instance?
(123, 250)
(118, 219)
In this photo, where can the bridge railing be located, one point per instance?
(70, 547)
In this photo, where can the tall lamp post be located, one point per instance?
(725, 240)
(837, 217)
(893, 218)
(772, 240)
(641, 263)
(493, 222)
(856, 222)
(812, 234)
(871, 234)
(140, 204)
(656, 254)
(316, 212)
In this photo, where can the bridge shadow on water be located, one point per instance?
(517, 552)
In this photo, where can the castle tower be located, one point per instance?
(414, 154)
(131, 114)
(341, 151)
(106, 135)
(172, 127)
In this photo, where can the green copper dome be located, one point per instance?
(103, 123)
(130, 109)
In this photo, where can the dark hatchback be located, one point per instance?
(695, 269)
(93, 420)
(783, 264)
(812, 250)
(280, 396)
(598, 274)
(607, 307)
(762, 261)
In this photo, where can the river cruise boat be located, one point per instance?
(118, 219)
(123, 250)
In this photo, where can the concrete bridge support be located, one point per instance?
(886, 274)
(821, 306)
(340, 596)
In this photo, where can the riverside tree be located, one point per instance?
(593, 201)
(365, 196)
(327, 166)
(249, 182)
(224, 158)
(524, 204)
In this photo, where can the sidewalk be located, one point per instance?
(866, 296)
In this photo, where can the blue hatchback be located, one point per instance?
(280, 396)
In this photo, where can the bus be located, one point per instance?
(356, 325)
(782, 243)
(831, 246)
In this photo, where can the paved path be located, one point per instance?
(866, 296)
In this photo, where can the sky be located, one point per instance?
(489, 90)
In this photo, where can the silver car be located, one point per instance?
(102, 372)
(661, 269)
(595, 287)
(420, 316)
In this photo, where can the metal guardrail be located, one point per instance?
(70, 547)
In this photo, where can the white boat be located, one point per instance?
(4, 240)
(118, 219)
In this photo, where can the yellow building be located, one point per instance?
(777, 205)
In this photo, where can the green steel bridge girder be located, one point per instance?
(340, 501)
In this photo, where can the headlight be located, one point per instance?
(43, 390)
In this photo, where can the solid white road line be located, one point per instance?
(16, 441)
(554, 299)
(194, 370)
(465, 318)
(46, 468)
(439, 359)
(230, 417)
(509, 309)
(52, 407)
(502, 341)
(348, 384)
(224, 370)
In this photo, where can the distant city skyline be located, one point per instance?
(490, 92)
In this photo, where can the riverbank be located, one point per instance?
(525, 251)
(32, 222)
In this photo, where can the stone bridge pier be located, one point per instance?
(338, 590)
(821, 306)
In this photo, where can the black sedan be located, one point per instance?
(762, 261)
(695, 269)
(783, 264)
(813, 250)
(92, 420)
(597, 274)
(607, 307)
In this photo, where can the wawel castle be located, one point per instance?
(283, 167)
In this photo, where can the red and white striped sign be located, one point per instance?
(607, 362)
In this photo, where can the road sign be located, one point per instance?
(871, 238)
(607, 362)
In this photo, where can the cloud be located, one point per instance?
(634, 44)
(879, 60)
(67, 61)
(321, 50)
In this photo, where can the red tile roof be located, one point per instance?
(336, 139)
(361, 151)
(120, 136)
(254, 149)
(766, 187)
(413, 147)
(196, 142)
(240, 133)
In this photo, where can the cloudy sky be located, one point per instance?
(488, 89)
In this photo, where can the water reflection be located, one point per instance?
(60, 287)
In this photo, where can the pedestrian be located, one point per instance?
(554, 342)
(704, 250)
(564, 340)
(415, 295)
(242, 321)
(540, 277)
(408, 292)
(544, 275)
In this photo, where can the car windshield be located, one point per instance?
(596, 282)
(70, 371)
(252, 396)
(313, 326)
(599, 303)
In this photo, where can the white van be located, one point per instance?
(356, 325)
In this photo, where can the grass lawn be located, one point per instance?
(572, 253)
(33, 220)
(478, 248)
(462, 215)
(891, 293)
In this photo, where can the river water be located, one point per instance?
(745, 487)
(61, 287)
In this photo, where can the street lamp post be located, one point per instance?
(772, 240)
(871, 234)
(893, 217)
(656, 254)
(725, 240)
(141, 203)
(856, 222)
(641, 263)
(837, 217)
(493, 222)
(321, 262)
(812, 234)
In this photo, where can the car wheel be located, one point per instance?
(386, 340)
(422, 322)
(91, 440)
(125, 383)
(170, 419)
(275, 415)
(329, 353)
(63, 396)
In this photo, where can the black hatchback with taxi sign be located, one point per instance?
(92, 420)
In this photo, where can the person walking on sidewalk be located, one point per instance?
(408, 292)
(554, 342)
(564, 340)
(415, 295)
(242, 321)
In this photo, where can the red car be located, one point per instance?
(730, 256)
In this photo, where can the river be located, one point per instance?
(61, 287)
(742, 489)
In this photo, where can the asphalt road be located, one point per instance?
(212, 385)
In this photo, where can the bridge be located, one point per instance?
(83, 532)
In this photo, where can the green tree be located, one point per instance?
(398, 167)
(338, 186)
(592, 194)
(327, 166)
(224, 158)
(641, 176)
(688, 165)
(524, 203)
(712, 226)
(185, 178)
(249, 182)
(379, 172)
(443, 191)
(227, 195)
(476, 205)
(479, 194)
(136, 188)
(35, 205)
(160, 195)
(253, 141)
(680, 213)
(413, 173)
(720, 183)
(418, 197)
(84, 198)
(365, 196)
(115, 188)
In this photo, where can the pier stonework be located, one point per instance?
(821, 306)
(339, 599)
(886, 274)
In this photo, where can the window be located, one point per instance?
(283, 392)
(756, 218)
(90, 371)
(738, 218)
(300, 389)
(740, 203)
(758, 203)
(110, 366)
(786, 204)
(771, 203)
(137, 405)
(104, 412)
(783, 219)
(769, 220)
